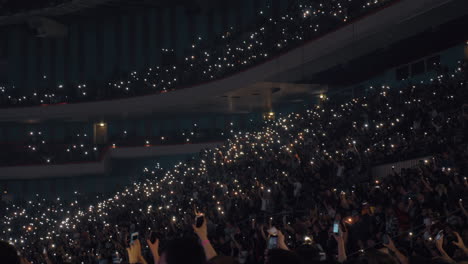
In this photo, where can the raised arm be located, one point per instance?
(262, 232)
(460, 244)
(154, 247)
(202, 233)
(134, 253)
(445, 256)
(465, 213)
(391, 246)
(340, 240)
(281, 241)
(426, 184)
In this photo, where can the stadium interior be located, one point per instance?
(249, 131)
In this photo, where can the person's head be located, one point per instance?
(280, 256)
(221, 260)
(185, 250)
(8, 253)
(375, 256)
(419, 259)
(308, 254)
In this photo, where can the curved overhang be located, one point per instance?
(59, 10)
(315, 52)
(28, 172)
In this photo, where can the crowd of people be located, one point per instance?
(232, 52)
(300, 190)
(80, 147)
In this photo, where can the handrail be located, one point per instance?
(102, 165)
(96, 152)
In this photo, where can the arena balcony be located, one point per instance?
(283, 72)
(101, 163)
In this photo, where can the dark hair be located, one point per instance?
(373, 256)
(308, 254)
(222, 260)
(185, 250)
(280, 256)
(8, 253)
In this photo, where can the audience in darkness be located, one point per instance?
(232, 51)
(299, 190)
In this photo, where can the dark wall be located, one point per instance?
(58, 132)
(102, 44)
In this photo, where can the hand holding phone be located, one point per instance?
(272, 242)
(199, 227)
(336, 227)
(199, 220)
(133, 237)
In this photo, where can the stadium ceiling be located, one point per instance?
(88, 8)
(191, 6)
(158, 3)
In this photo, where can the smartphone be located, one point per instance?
(199, 221)
(44, 251)
(153, 237)
(133, 237)
(272, 242)
(336, 227)
(439, 235)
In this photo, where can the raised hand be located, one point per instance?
(440, 242)
(391, 246)
(281, 241)
(201, 231)
(24, 261)
(154, 247)
(459, 243)
(134, 253)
